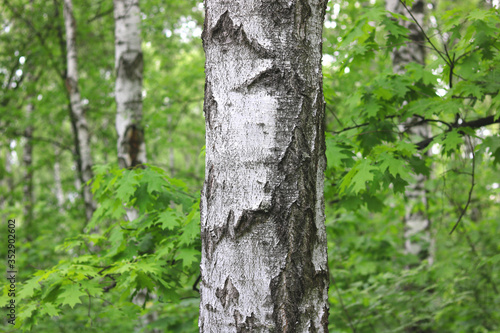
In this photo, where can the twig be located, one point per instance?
(471, 188)
(196, 282)
(423, 32)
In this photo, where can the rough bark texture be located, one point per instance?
(264, 258)
(28, 172)
(79, 121)
(128, 94)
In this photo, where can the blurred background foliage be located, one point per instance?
(74, 280)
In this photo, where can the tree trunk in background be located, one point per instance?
(79, 122)
(57, 181)
(264, 251)
(28, 172)
(418, 238)
(128, 94)
(8, 180)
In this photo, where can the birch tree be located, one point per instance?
(418, 239)
(264, 259)
(128, 93)
(79, 121)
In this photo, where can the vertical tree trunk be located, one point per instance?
(28, 172)
(57, 180)
(264, 258)
(79, 122)
(418, 239)
(9, 181)
(128, 94)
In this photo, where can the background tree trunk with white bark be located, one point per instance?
(418, 237)
(264, 259)
(128, 92)
(79, 121)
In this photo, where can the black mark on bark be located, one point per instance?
(225, 33)
(210, 105)
(248, 219)
(246, 324)
(227, 295)
(210, 182)
(131, 144)
(130, 65)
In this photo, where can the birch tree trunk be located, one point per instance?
(128, 94)
(418, 238)
(80, 126)
(264, 257)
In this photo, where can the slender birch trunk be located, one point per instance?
(79, 121)
(264, 258)
(418, 239)
(128, 94)
(28, 171)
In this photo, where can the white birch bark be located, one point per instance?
(264, 258)
(79, 120)
(128, 92)
(418, 239)
(128, 95)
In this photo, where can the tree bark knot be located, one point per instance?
(227, 295)
(225, 32)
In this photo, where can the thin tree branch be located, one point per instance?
(423, 32)
(471, 188)
(99, 15)
(478, 123)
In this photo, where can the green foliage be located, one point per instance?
(119, 271)
(156, 254)
(373, 156)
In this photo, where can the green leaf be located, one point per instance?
(357, 178)
(335, 154)
(126, 186)
(28, 289)
(451, 142)
(192, 228)
(154, 180)
(49, 309)
(169, 219)
(71, 295)
(188, 256)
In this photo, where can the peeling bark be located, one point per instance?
(264, 259)
(128, 92)
(79, 122)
